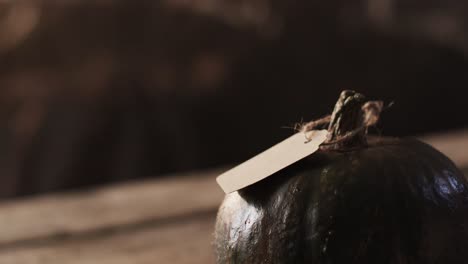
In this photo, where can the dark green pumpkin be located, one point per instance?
(391, 201)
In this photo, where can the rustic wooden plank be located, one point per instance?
(453, 144)
(189, 242)
(118, 205)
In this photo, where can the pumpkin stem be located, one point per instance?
(347, 126)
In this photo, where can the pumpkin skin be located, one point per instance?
(396, 201)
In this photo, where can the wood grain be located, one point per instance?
(176, 243)
(120, 205)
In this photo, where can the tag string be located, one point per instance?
(371, 113)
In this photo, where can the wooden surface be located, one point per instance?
(166, 220)
(144, 222)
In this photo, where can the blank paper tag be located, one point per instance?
(272, 160)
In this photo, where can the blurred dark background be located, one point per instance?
(93, 92)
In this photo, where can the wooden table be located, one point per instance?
(167, 220)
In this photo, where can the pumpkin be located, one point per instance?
(357, 200)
